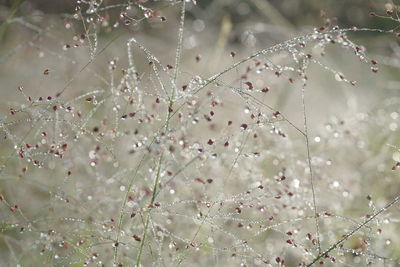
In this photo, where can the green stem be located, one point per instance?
(146, 225)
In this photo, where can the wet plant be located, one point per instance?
(123, 150)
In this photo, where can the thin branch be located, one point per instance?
(156, 181)
(180, 42)
(352, 232)
(122, 210)
(305, 64)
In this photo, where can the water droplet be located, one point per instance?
(339, 77)
(396, 156)
(92, 154)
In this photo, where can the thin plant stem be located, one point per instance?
(179, 46)
(352, 232)
(122, 210)
(303, 98)
(146, 225)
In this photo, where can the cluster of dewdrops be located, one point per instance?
(229, 175)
